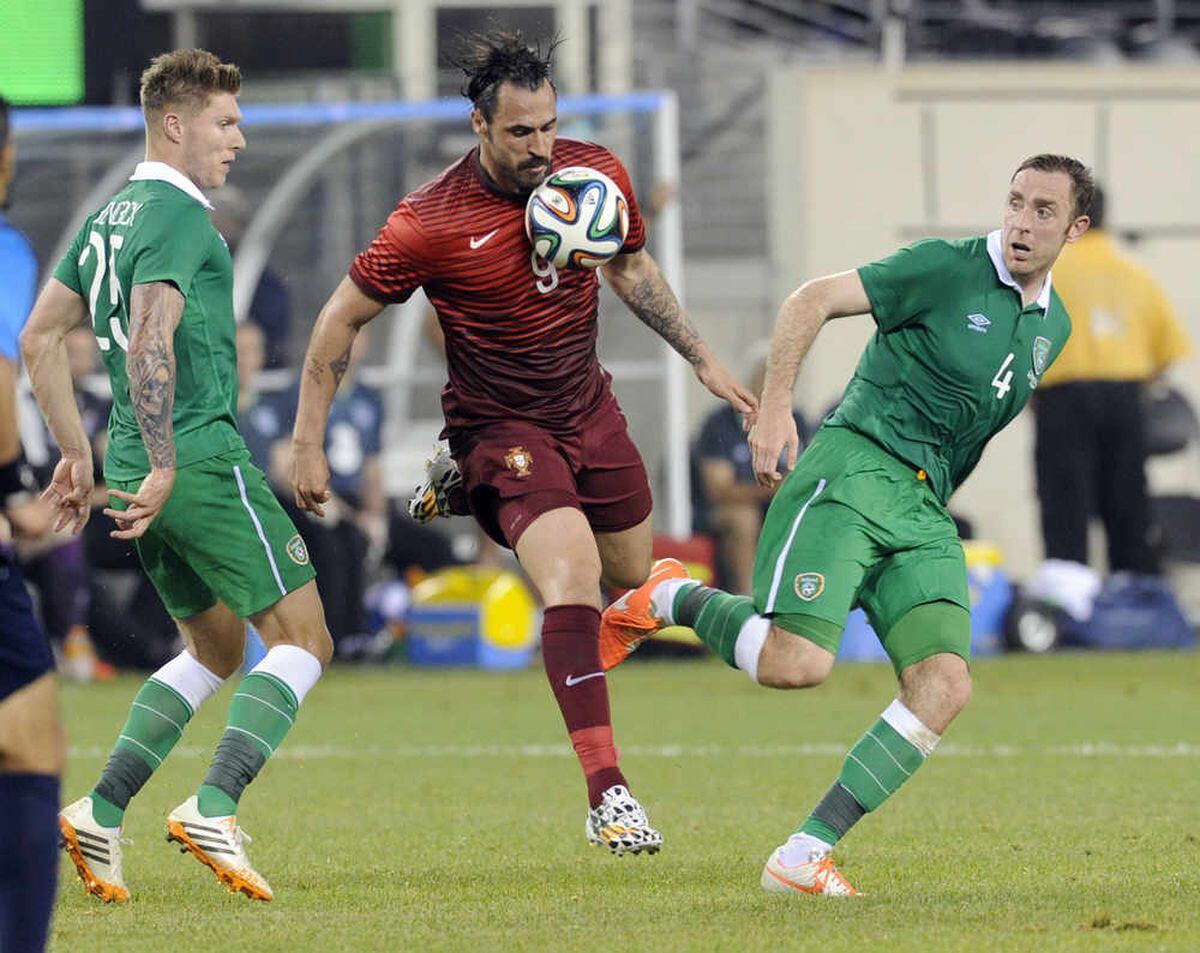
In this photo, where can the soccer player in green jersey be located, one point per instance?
(965, 330)
(155, 280)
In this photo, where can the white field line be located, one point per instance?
(1083, 749)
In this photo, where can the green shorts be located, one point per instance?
(854, 526)
(222, 535)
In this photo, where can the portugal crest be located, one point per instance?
(520, 461)
(809, 585)
(297, 551)
(1041, 354)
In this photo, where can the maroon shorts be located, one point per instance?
(514, 471)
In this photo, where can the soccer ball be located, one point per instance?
(577, 218)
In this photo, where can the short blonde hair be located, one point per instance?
(186, 78)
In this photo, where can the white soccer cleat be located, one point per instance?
(217, 842)
(431, 498)
(620, 823)
(816, 876)
(94, 850)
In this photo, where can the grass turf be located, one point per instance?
(430, 810)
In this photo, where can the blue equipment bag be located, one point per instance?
(1132, 612)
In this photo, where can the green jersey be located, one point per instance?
(158, 229)
(955, 357)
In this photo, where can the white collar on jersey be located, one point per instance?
(996, 254)
(162, 172)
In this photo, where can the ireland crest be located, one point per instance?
(809, 585)
(1041, 354)
(297, 551)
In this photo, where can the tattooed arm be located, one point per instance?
(347, 310)
(154, 313)
(155, 309)
(638, 282)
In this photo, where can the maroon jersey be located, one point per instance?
(520, 338)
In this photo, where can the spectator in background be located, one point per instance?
(729, 503)
(1090, 450)
(271, 308)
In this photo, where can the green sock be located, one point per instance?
(716, 616)
(261, 714)
(873, 771)
(156, 721)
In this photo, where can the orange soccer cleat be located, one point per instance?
(630, 620)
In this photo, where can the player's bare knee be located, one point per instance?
(788, 661)
(570, 581)
(222, 661)
(321, 646)
(627, 575)
(222, 664)
(958, 691)
(937, 688)
(32, 739)
(54, 757)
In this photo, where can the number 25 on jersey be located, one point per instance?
(105, 261)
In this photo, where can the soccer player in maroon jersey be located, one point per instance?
(547, 464)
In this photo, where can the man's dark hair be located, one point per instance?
(3, 122)
(502, 56)
(1083, 186)
(1096, 212)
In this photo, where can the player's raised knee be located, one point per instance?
(627, 575)
(789, 660)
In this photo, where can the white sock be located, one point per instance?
(910, 727)
(803, 849)
(662, 597)
(748, 646)
(189, 678)
(297, 668)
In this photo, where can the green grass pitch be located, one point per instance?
(443, 810)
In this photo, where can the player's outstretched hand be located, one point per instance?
(309, 475)
(724, 385)
(773, 433)
(70, 492)
(142, 507)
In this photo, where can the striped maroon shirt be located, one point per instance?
(517, 344)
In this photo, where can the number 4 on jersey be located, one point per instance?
(1002, 384)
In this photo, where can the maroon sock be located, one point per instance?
(571, 653)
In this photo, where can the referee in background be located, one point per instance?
(1089, 409)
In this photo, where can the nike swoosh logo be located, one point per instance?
(573, 680)
(479, 242)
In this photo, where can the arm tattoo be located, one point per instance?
(656, 306)
(339, 365)
(315, 368)
(155, 310)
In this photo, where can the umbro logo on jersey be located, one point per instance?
(978, 322)
(480, 242)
